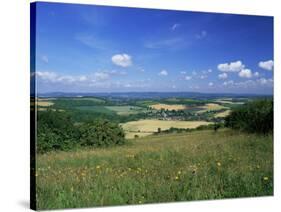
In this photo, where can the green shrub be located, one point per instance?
(101, 133)
(55, 131)
(254, 117)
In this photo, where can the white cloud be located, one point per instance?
(203, 76)
(231, 67)
(57, 78)
(211, 84)
(210, 70)
(183, 72)
(46, 75)
(188, 77)
(256, 74)
(123, 60)
(267, 65)
(174, 27)
(194, 73)
(264, 81)
(245, 73)
(163, 73)
(101, 76)
(82, 78)
(227, 83)
(245, 84)
(202, 34)
(222, 76)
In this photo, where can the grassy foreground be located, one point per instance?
(164, 168)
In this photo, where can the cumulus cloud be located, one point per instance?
(123, 60)
(227, 83)
(188, 77)
(222, 76)
(211, 84)
(46, 75)
(231, 67)
(264, 81)
(256, 74)
(163, 73)
(57, 78)
(266, 65)
(245, 73)
(101, 76)
(183, 72)
(203, 76)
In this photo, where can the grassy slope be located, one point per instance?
(193, 166)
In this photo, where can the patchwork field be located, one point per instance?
(179, 167)
(120, 110)
(125, 110)
(90, 99)
(146, 127)
(228, 101)
(211, 107)
(168, 107)
(222, 114)
(44, 103)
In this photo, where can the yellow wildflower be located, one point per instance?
(265, 178)
(218, 163)
(97, 167)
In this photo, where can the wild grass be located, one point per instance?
(164, 168)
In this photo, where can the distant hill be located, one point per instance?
(149, 95)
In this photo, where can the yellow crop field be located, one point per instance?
(44, 103)
(211, 106)
(168, 107)
(222, 114)
(149, 126)
(227, 101)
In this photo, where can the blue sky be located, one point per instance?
(87, 48)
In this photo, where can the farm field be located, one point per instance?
(98, 109)
(147, 127)
(222, 114)
(211, 107)
(168, 107)
(125, 110)
(44, 103)
(163, 168)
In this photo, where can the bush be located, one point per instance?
(254, 117)
(101, 133)
(55, 131)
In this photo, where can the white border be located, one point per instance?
(14, 87)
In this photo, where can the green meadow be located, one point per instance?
(197, 165)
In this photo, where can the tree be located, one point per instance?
(101, 133)
(159, 130)
(254, 117)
